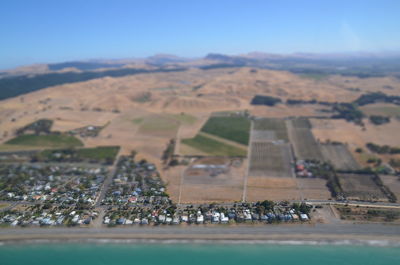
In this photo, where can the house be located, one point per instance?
(161, 219)
(184, 218)
(192, 218)
(216, 217)
(208, 216)
(200, 219)
(295, 217)
(304, 217)
(120, 221)
(247, 215)
(232, 215)
(224, 219)
(264, 218)
(287, 217)
(176, 221)
(255, 216)
(87, 221)
(60, 220)
(75, 219)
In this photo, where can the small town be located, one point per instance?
(71, 195)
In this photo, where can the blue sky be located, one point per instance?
(39, 31)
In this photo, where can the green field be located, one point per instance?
(137, 120)
(236, 129)
(278, 126)
(184, 118)
(14, 148)
(51, 140)
(4, 205)
(213, 147)
(100, 153)
(315, 76)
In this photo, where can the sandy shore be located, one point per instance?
(376, 234)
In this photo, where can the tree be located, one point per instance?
(268, 205)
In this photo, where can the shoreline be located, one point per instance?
(349, 234)
(314, 241)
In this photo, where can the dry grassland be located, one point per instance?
(355, 136)
(383, 109)
(314, 188)
(147, 126)
(277, 189)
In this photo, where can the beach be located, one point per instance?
(323, 233)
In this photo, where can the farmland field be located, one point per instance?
(213, 147)
(97, 154)
(313, 188)
(276, 189)
(339, 156)
(270, 160)
(304, 144)
(360, 187)
(159, 125)
(202, 186)
(200, 193)
(393, 182)
(184, 118)
(383, 109)
(50, 140)
(301, 123)
(275, 128)
(101, 152)
(232, 128)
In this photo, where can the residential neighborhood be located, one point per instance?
(40, 194)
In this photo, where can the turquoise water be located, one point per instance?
(192, 254)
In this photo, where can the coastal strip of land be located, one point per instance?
(239, 233)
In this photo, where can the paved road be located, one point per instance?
(230, 204)
(246, 175)
(107, 182)
(349, 231)
(355, 203)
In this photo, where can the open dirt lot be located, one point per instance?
(200, 193)
(339, 156)
(313, 188)
(360, 187)
(217, 171)
(277, 189)
(393, 182)
(213, 179)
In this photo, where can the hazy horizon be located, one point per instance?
(46, 31)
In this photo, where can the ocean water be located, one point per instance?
(194, 254)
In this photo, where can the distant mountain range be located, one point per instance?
(257, 59)
(25, 79)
